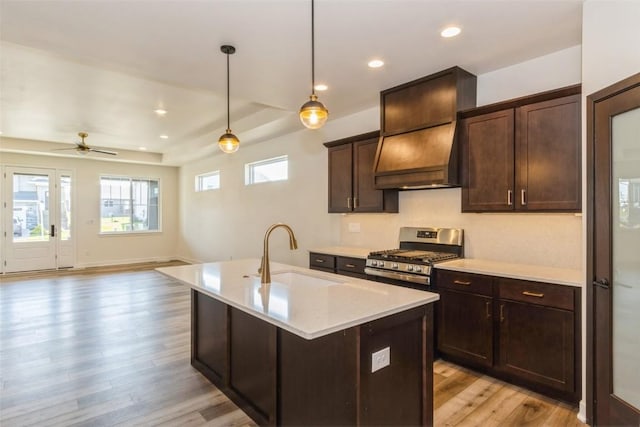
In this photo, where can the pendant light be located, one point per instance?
(312, 113)
(228, 143)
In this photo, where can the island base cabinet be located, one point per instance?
(279, 378)
(400, 394)
(318, 379)
(252, 370)
(537, 344)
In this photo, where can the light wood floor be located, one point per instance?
(105, 348)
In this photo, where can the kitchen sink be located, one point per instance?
(295, 278)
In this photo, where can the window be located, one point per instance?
(129, 205)
(276, 169)
(208, 181)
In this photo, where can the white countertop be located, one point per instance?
(537, 273)
(309, 306)
(343, 251)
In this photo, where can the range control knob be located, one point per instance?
(409, 267)
(374, 263)
(381, 264)
(418, 269)
(394, 265)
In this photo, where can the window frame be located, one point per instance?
(249, 174)
(199, 177)
(131, 178)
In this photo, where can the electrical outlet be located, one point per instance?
(354, 227)
(380, 359)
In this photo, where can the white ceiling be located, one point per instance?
(104, 66)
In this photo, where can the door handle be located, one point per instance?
(523, 197)
(602, 283)
(348, 202)
(53, 230)
(509, 197)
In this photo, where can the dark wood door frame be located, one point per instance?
(592, 101)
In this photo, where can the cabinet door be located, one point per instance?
(487, 143)
(340, 178)
(366, 197)
(537, 344)
(548, 153)
(465, 327)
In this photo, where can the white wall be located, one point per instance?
(93, 249)
(502, 237)
(610, 46)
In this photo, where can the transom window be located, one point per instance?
(129, 205)
(208, 181)
(275, 169)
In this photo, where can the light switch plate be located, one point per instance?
(380, 359)
(354, 227)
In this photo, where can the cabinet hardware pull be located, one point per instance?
(487, 305)
(461, 282)
(355, 202)
(509, 198)
(501, 313)
(319, 261)
(523, 197)
(350, 266)
(533, 294)
(348, 202)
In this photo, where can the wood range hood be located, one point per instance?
(417, 147)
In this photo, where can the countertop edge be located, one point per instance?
(346, 251)
(557, 276)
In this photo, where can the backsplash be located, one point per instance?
(553, 240)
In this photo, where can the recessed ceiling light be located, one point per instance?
(160, 112)
(375, 63)
(450, 31)
(321, 87)
(164, 136)
(142, 148)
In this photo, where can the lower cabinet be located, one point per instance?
(347, 266)
(521, 331)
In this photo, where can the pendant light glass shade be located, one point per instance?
(313, 114)
(228, 142)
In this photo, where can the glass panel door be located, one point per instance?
(64, 227)
(30, 204)
(625, 191)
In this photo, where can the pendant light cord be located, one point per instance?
(228, 93)
(313, 52)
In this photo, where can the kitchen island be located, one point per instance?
(311, 348)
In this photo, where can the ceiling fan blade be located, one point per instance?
(64, 149)
(95, 150)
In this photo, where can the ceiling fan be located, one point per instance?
(82, 147)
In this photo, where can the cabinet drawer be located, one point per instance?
(546, 294)
(323, 261)
(350, 265)
(465, 282)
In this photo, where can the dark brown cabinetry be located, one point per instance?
(521, 331)
(351, 184)
(523, 155)
(465, 317)
(279, 378)
(537, 340)
(347, 266)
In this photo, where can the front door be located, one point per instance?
(37, 220)
(614, 142)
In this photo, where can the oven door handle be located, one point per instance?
(423, 280)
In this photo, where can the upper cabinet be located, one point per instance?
(523, 155)
(351, 186)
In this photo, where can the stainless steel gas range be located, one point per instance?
(412, 263)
